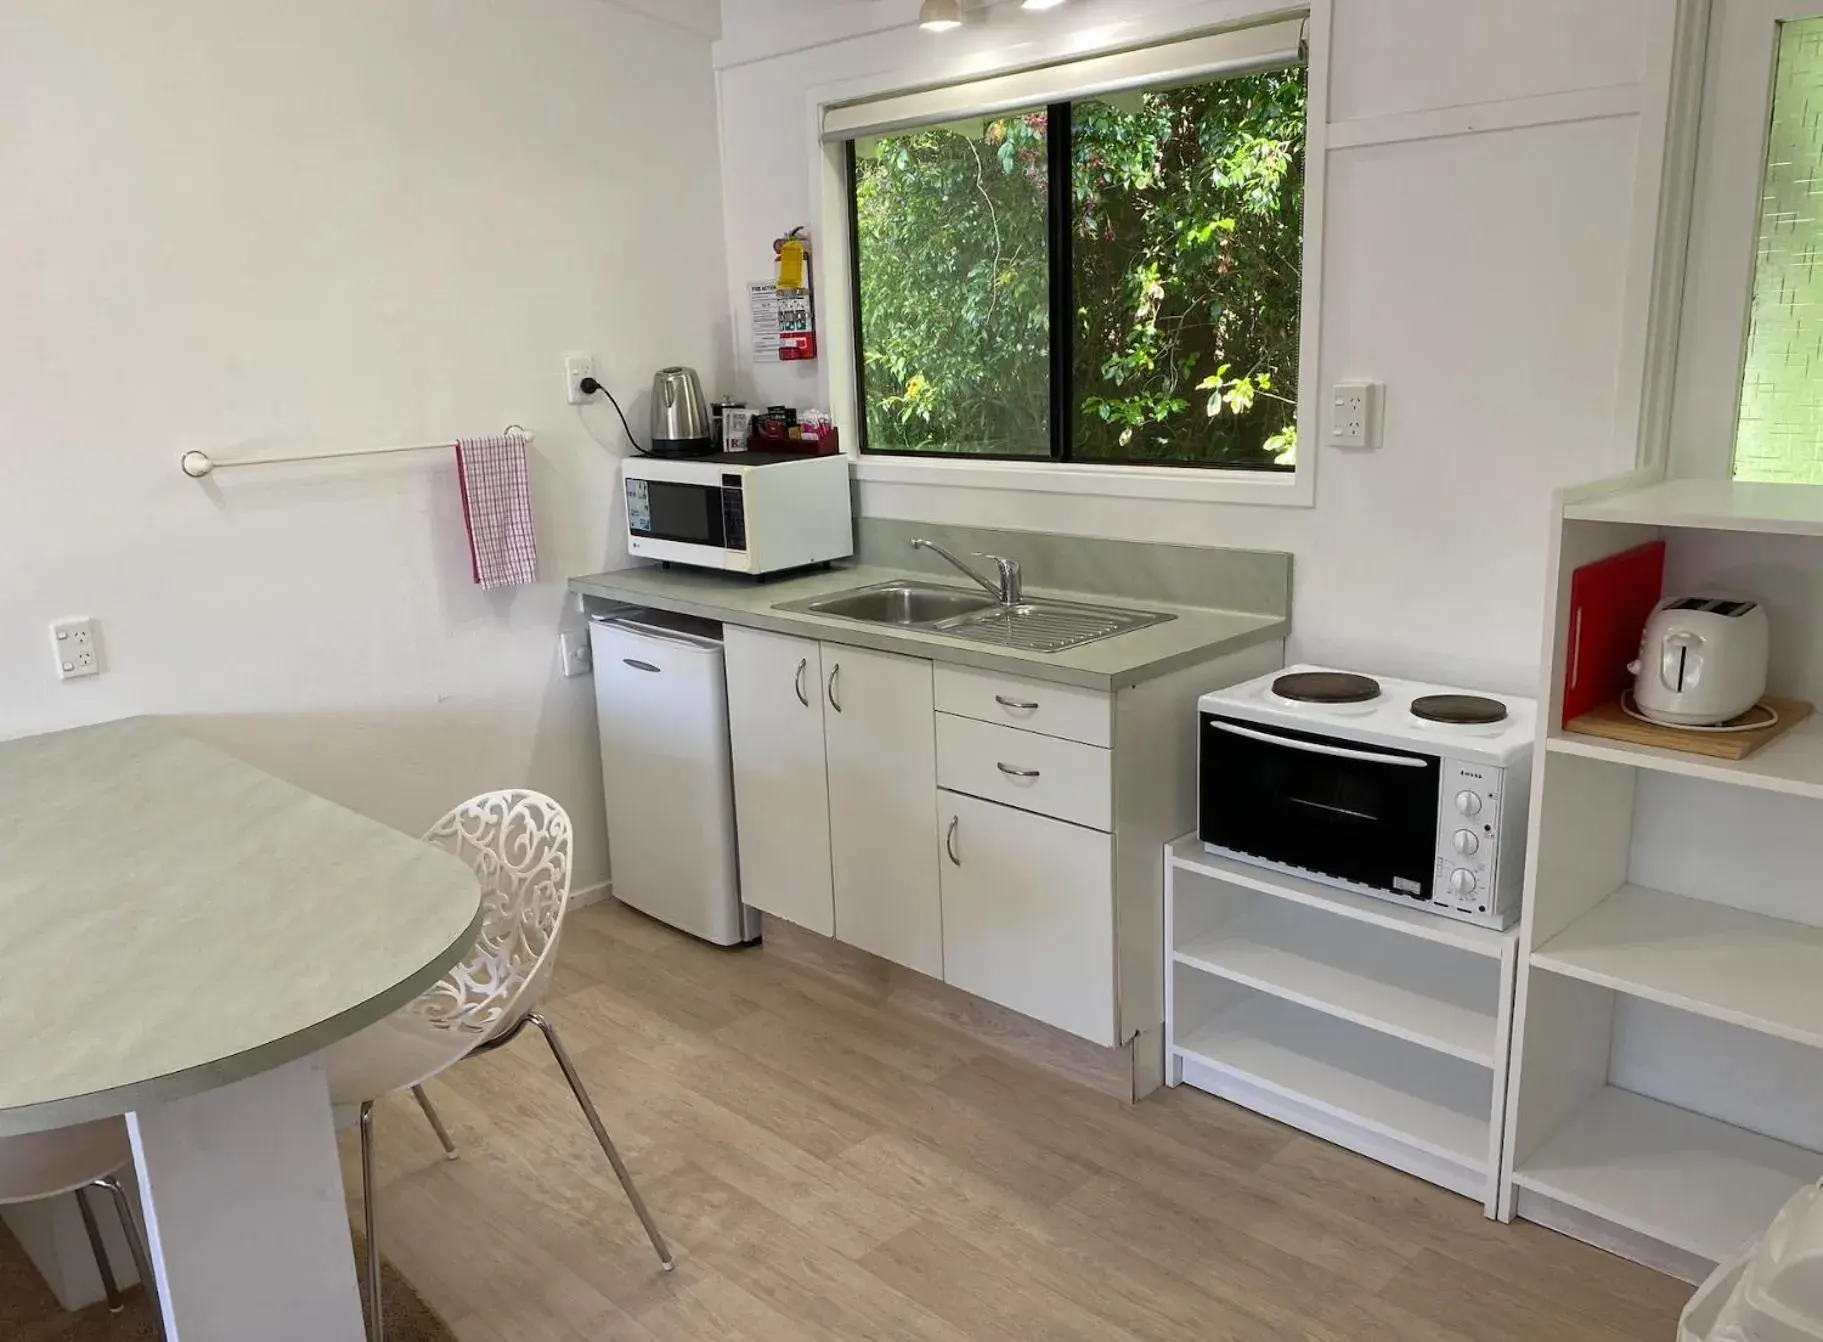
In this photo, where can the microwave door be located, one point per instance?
(665, 510)
(1354, 814)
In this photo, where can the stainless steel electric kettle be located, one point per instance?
(680, 415)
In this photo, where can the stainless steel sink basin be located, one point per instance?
(901, 603)
(1030, 626)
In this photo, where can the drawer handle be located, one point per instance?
(798, 682)
(1017, 705)
(949, 840)
(1012, 772)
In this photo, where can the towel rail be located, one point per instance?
(200, 465)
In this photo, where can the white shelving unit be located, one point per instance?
(1667, 1062)
(1380, 1028)
(1700, 1186)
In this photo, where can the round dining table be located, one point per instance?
(186, 934)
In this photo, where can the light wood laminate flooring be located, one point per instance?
(831, 1168)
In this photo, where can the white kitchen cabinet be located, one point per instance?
(882, 758)
(781, 786)
(1028, 914)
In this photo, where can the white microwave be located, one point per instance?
(742, 512)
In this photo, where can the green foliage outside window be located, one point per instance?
(1186, 230)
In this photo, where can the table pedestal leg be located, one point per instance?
(245, 1213)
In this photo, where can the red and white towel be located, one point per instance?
(497, 506)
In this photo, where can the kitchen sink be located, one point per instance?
(903, 603)
(1029, 626)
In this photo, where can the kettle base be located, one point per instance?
(682, 447)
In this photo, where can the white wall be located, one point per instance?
(1494, 281)
(246, 226)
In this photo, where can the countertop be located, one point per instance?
(180, 920)
(1197, 634)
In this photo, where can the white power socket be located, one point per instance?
(73, 645)
(578, 657)
(575, 368)
(1355, 415)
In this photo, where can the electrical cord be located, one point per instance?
(1629, 706)
(589, 387)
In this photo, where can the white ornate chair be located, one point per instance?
(519, 845)
(75, 1160)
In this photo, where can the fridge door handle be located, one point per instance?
(638, 665)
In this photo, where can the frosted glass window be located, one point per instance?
(1779, 435)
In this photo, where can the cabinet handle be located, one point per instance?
(1011, 772)
(797, 682)
(834, 702)
(949, 840)
(1017, 705)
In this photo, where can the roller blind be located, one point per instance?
(1264, 46)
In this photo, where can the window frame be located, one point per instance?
(960, 63)
(1060, 256)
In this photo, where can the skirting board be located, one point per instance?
(591, 894)
(1121, 1072)
(1617, 1240)
(1456, 1176)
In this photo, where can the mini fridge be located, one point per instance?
(661, 705)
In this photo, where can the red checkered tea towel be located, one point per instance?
(497, 506)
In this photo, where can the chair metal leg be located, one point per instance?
(136, 1245)
(601, 1135)
(436, 1123)
(108, 1284)
(376, 1328)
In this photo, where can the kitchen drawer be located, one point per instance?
(1034, 705)
(1064, 779)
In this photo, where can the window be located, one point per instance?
(1779, 425)
(1115, 279)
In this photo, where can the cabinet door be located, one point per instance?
(1028, 914)
(781, 793)
(882, 805)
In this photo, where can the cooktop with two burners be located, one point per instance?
(1347, 704)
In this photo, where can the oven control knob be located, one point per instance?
(1462, 882)
(1468, 803)
(1467, 842)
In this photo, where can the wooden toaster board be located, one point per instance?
(1612, 723)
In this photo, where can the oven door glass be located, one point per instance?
(664, 510)
(1360, 814)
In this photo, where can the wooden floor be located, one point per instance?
(831, 1169)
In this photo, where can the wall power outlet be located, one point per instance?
(1354, 419)
(73, 645)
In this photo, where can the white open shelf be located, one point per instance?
(1663, 1036)
(1718, 505)
(1256, 958)
(1189, 854)
(1762, 973)
(1379, 1084)
(1378, 1027)
(1697, 1184)
(1793, 764)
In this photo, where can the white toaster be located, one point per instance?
(1702, 660)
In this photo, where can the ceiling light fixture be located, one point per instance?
(940, 16)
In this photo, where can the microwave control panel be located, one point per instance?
(1468, 838)
(639, 508)
(734, 514)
